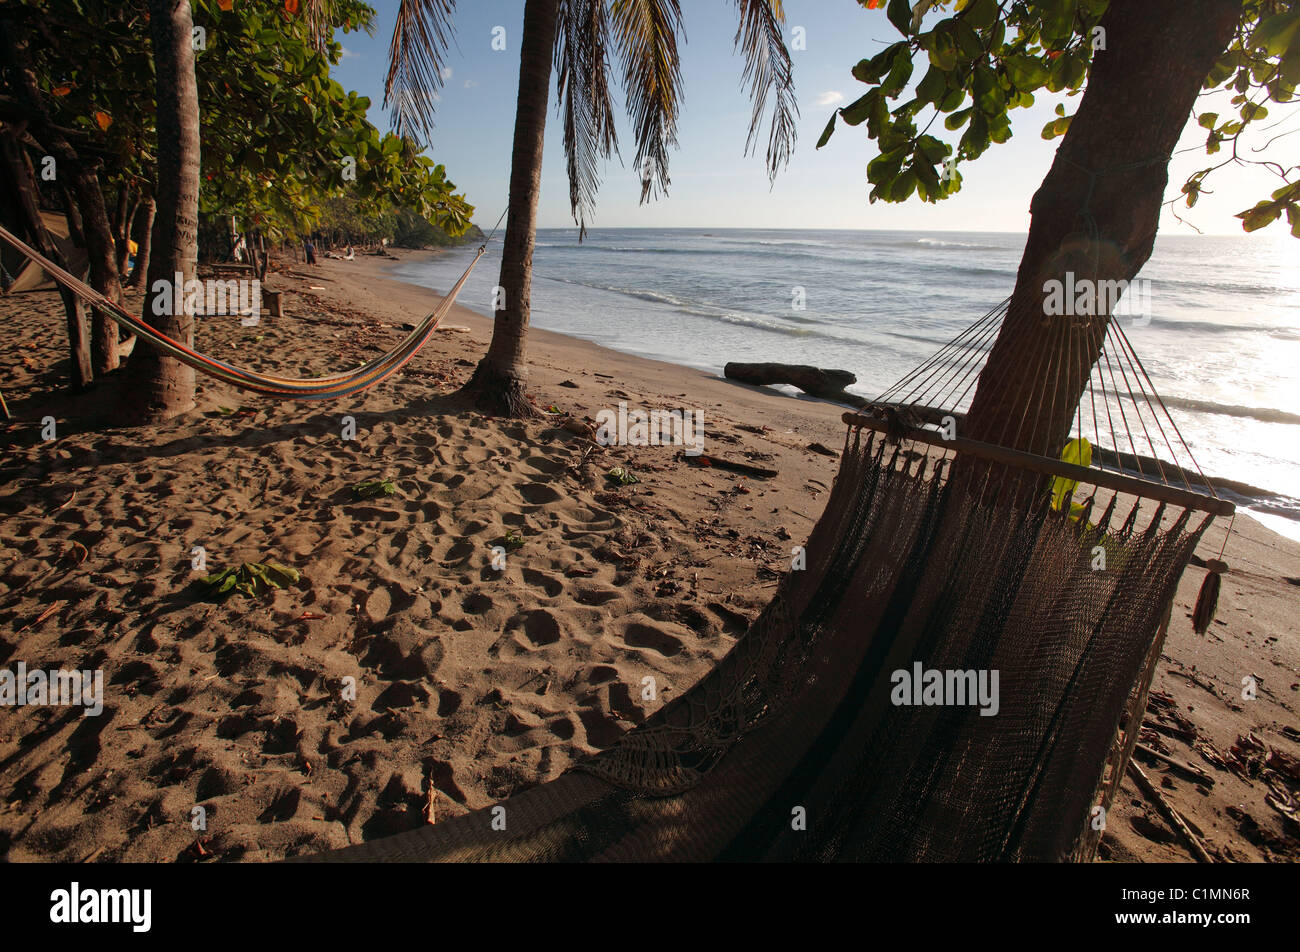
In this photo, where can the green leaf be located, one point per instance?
(932, 150)
(943, 49)
(1277, 33)
(829, 131)
(899, 74)
(286, 574)
(884, 167)
(900, 14)
(870, 70)
(903, 186)
(933, 85)
(967, 40)
(1026, 72)
(981, 14)
(1261, 216)
(859, 111)
(1058, 18)
(1057, 127)
(957, 119)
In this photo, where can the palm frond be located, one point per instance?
(415, 63)
(322, 17)
(582, 41)
(646, 35)
(768, 71)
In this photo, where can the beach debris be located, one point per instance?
(249, 578)
(821, 449)
(513, 540)
(576, 426)
(369, 489)
(569, 383)
(1171, 816)
(1188, 770)
(429, 811)
(744, 469)
(308, 616)
(40, 618)
(198, 850)
(623, 477)
(814, 381)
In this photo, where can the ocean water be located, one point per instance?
(1222, 345)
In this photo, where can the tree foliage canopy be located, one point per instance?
(280, 136)
(987, 58)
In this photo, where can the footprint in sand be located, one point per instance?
(541, 628)
(283, 807)
(538, 494)
(562, 728)
(601, 731)
(547, 583)
(590, 595)
(476, 603)
(546, 465)
(448, 703)
(600, 674)
(638, 635)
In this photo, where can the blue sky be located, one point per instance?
(714, 185)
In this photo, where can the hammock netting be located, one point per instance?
(932, 551)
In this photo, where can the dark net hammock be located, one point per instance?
(933, 549)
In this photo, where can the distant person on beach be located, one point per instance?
(311, 252)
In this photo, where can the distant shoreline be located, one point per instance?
(1280, 508)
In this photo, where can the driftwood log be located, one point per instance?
(814, 381)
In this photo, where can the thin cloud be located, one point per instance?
(830, 98)
(348, 54)
(470, 84)
(446, 72)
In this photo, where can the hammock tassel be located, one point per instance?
(1207, 602)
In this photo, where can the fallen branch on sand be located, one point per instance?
(717, 462)
(1187, 770)
(1172, 816)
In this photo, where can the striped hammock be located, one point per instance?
(291, 388)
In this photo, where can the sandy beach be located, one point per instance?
(470, 682)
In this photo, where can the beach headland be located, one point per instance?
(480, 629)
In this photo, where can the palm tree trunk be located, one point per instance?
(142, 233)
(127, 203)
(102, 252)
(1113, 163)
(87, 194)
(25, 216)
(162, 387)
(498, 383)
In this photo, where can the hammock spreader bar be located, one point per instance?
(319, 388)
(1106, 479)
